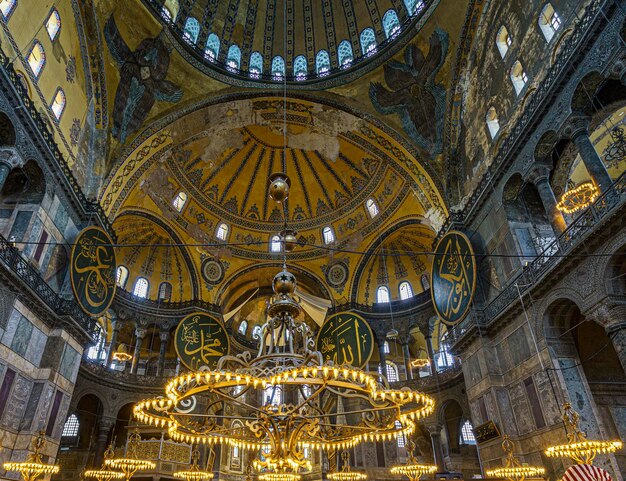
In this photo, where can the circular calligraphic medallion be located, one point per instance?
(212, 271)
(337, 275)
(453, 277)
(200, 341)
(346, 338)
(93, 271)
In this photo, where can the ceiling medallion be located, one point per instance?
(212, 271)
(337, 275)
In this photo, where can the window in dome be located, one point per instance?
(121, 276)
(169, 10)
(165, 291)
(328, 234)
(382, 294)
(400, 437)
(344, 53)
(322, 63)
(386, 348)
(406, 291)
(222, 232)
(425, 282)
(549, 22)
(467, 433)
(256, 65)
(192, 30)
(233, 61)
(53, 24)
(58, 103)
(503, 41)
(278, 68)
(414, 6)
(256, 332)
(141, 287)
(36, 58)
(70, 428)
(368, 41)
(518, 77)
(212, 48)
(391, 24)
(7, 7)
(300, 67)
(492, 122)
(392, 372)
(275, 244)
(243, 327)
(179, 201)
(372, 208)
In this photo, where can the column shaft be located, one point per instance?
(617, 334)
(113, 345)
(431, 355)
(407, 360)
(592, 160)
(549, 204)
(165, 337)
(4, 173)
(383, 359)
(139, 335)
(435, 437)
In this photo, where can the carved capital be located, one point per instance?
(576, 125)
(11, 157)
(434, 429)
(164, 336)
(140, 332)
(106, 424)
(538, 174)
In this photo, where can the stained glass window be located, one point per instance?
(212, 47)
(122, 276)
(300, 68)
(382, 294)
(406, 291)
(192, 30)
(322, 63)
(368, 41)
(278, 68)
(53, 24)
(179, 201)
(344, 53)
(6, 7)
(391, 24)
(233, 60)
(256, 65)
(36, 58)
(58, 104)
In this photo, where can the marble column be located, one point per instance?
(104, 429)
(113, 345)
(540, 176)
(431, 354)
(435, 437)
(382, 355)
(5, 168)
(140, 333)
(165, 338)
(406, 354)
(617, 334)
(580, 136)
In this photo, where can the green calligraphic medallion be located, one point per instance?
(93, 271)
(346, 338)
(200, 341)
(453, 277)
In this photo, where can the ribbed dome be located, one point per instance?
(306, 41)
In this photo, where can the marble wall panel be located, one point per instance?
(16, 404)
(22, 336)
(70, 363)
(507, 418)
(521, 409)
(20, 225)
(36, 346)
(11, 327)
(549, 403)
(44, 407)
(518, 346)
(31, 406)
(579, 396)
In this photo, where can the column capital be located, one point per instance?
(140, 332)
(434, 429)
(11, 157)
(608, 313)
(164, 336)
(576, 125)
(106, 423)
(539, 173)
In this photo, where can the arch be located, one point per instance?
(405, 290)
(191, 30)
(382, 295)
(58, 103)
(88, 410)
(222, 232)
(275, 244)
(549, 22)
(233, 59)
(386, 348)
(300, 67)
(451, 417)
(212, 47)
(278, 68)
(53, 24)
(391, 370)
(493, 124)
(467, 433)
(7, 7)
(141, 288)
(413, 7)
(179, 201)
(26, 185)
(519, 78)
(71, 426)
(322, 63)
(372, 207)
(328, 235)
(503, 41)
(391, 23)
(7, 131)
(97, 352)
(368, 41)
(345, 54)
(165, 291)
(616, 273)
(36, 58)
(256, 65)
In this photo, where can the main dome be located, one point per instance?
(302, 41)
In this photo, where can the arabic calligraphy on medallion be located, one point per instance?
(453, 277)
(93, 270)
(346, 338)
(200, 341)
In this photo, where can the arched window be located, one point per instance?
(243, 327)
(300, 67)
(345, 54)
(36, 58)
(414, 6)
(58, 103)
(222, 232)
(256, 65)
(233, 60)
(444, 358)
(278, 68)
(191, 31)
(406, 291)
(493, 124)
(212, 47)
(400, 437)
(518, 77)
(179, 201)
(368, 41)
(53, 24)
(425, 282)
(328, 235)
(275, 244)
(549, 22)
(256, 332)
(169, 10)
(273, 395)
(391, 24)
(382, 294)
(467, 433)
(121, 276)
(6, 7)
(322, 63)
(97, 352)
(392, 372)
(372, 208)
(141, 287)
(70, 428)
(503, 41)
(386, 349)
(165, 291)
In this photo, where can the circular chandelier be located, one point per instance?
(578, 198)
(579, 449)
(131, 463)
(33, 467)
(284, 399)
(346, 474)
(513, 470)
(279, 477)
(194, 473)
(413, 469)
(104, 474)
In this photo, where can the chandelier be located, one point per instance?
(513, 470)
(579, 449)
(131, 463)
(578, 198)
(412, 469)
(33, 467)
(285, 399)
(616, 150)
(104, 474)
(194, 473)
(346, 474)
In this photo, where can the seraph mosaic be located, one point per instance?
(412, 93)
(142, 80)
